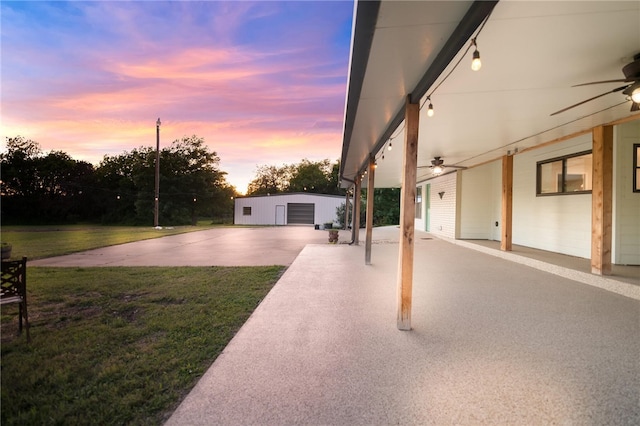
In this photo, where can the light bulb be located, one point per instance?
(635, 95)
(476, 63)
(437, 170)
(430, 110)
(389, 147)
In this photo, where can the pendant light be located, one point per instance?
(476, 63)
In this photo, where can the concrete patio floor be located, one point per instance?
(493, 342)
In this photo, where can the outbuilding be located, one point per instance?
(287, 209)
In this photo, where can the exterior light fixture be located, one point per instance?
(430, 108)
(389, 147)
(476, 63)
(437, 166)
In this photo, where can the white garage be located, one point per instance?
(287, 209)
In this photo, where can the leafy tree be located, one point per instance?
(310, 176)
(38, 188)
(319, 177)
(386, 208)
(340, 213)
(191, 184)
(62, 181)
(270, 180)
(386, 204)
(54, 188)
(18, 170)
(118, 180)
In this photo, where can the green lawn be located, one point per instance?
(38, 242)
(113, 346)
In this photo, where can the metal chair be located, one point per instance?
(13, 289)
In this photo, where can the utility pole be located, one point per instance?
(157, 192)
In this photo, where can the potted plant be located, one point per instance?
(333, 236)
(6, 251)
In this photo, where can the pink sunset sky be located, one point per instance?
(263, 83)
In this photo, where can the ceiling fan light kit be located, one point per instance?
(634, 92)
(437, 166)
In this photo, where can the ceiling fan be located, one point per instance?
(437, 166)
(631, 73)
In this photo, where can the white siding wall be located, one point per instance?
(263, 209)
(443, 211)
(559, 223)
(480, 202)
(626, 248)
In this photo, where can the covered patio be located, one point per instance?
(474, 145)
(493, 342)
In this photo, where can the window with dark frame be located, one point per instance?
(246, 211)
(636, 167)
(570, 174)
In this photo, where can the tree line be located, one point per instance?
(320, 177)
(53, 188)
(39, 188)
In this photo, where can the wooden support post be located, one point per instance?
(601, 200)
(407, 213)
(346, 210)
(507, 202)
(369, 224)
(356, 211)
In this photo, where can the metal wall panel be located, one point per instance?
(264, 210)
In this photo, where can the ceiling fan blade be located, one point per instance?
(618, 80)
(635, 106)
(617, 89)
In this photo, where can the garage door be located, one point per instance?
(300, 213)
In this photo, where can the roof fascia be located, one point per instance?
(365, 20)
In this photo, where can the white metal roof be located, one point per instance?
(532, 52)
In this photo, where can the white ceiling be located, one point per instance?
(532, 53)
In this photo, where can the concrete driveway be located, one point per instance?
(215, 247)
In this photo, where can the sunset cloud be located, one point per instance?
(263, 82)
